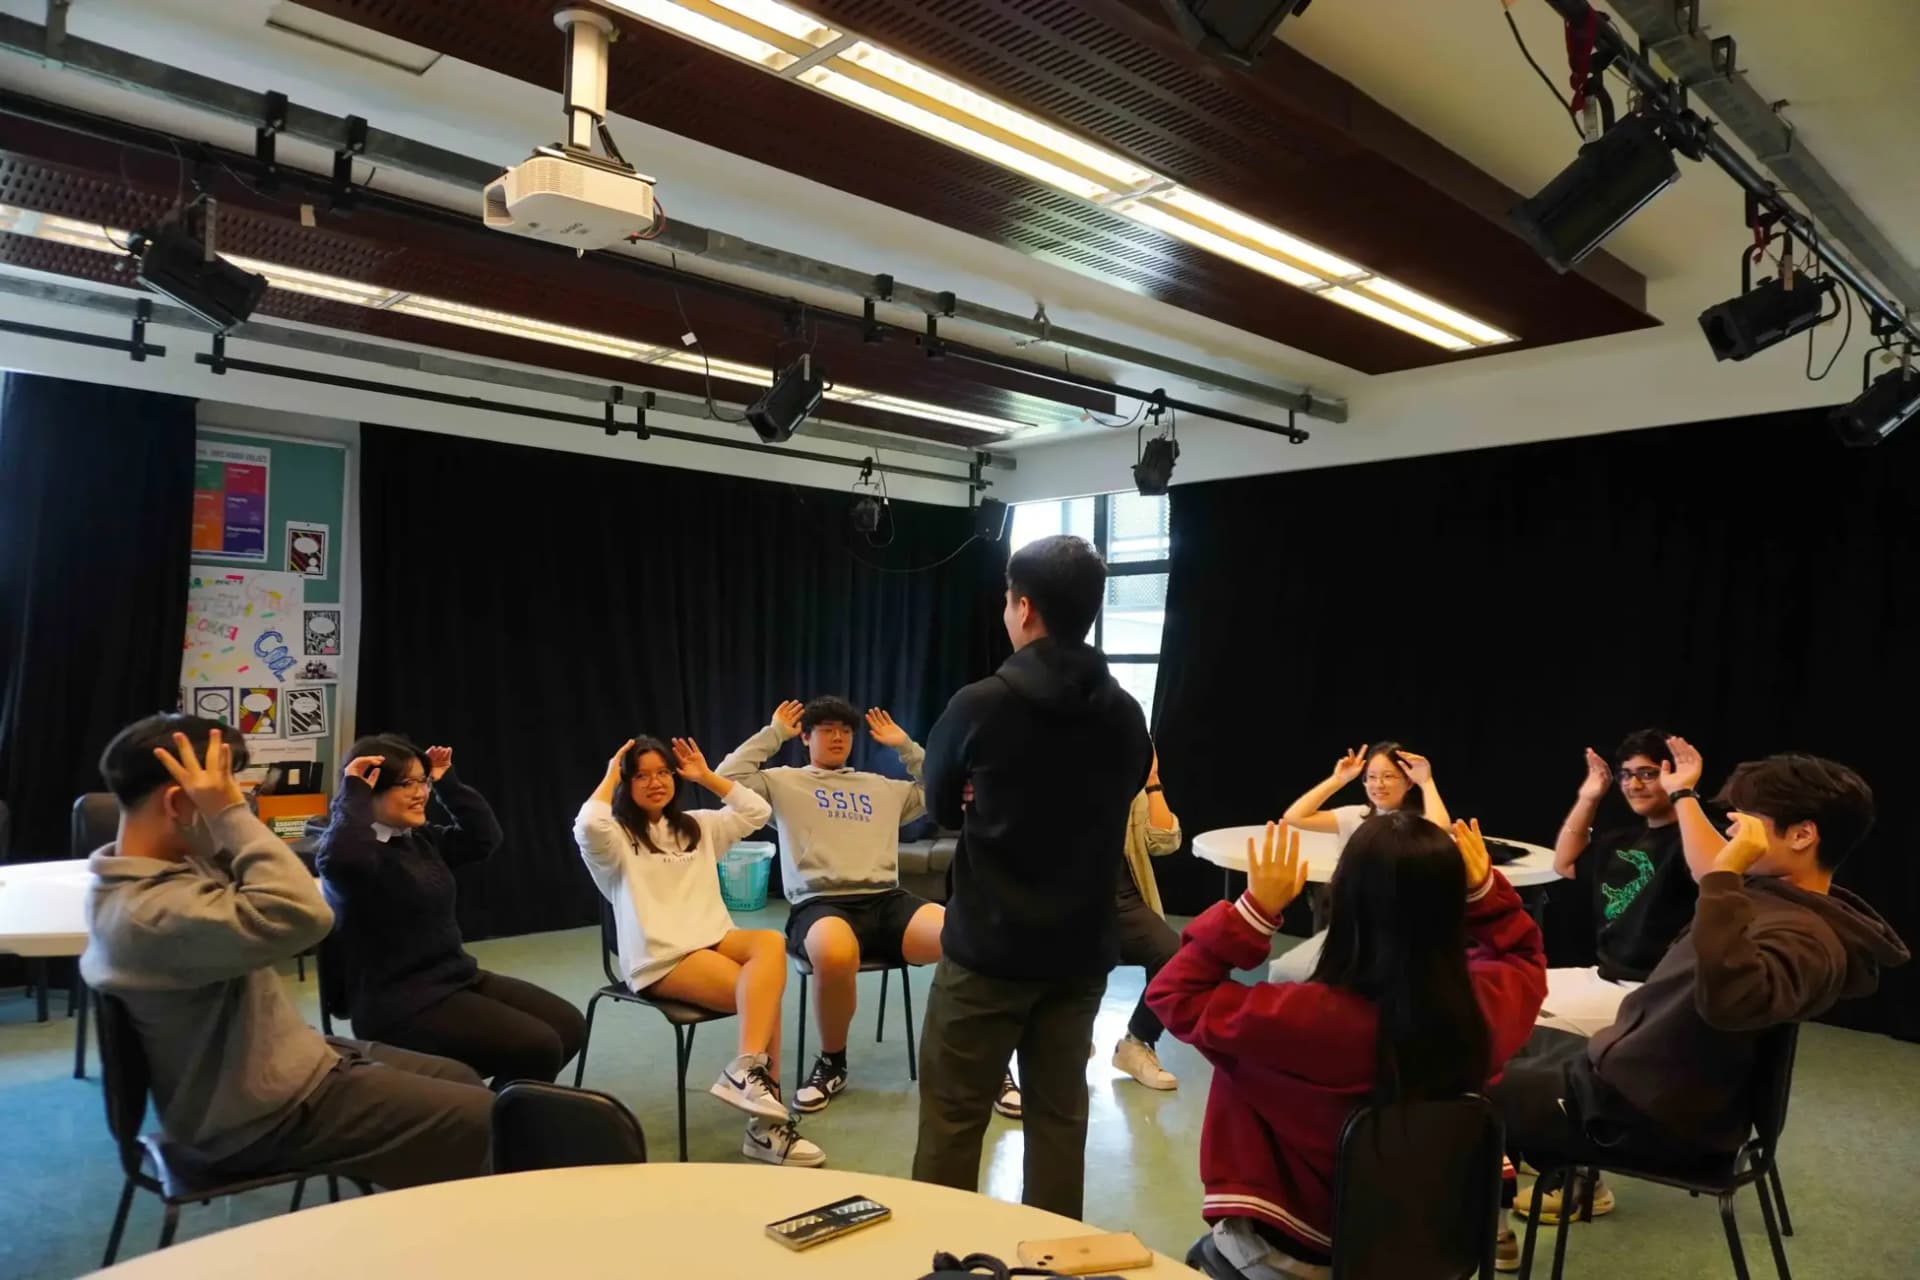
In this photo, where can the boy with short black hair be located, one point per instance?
(840, 862)
(192, 905)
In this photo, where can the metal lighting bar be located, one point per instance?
(1753, 119)
(1669, 100)
(203, 93)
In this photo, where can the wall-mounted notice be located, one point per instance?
(243, 634)
(230, 500)
(305, 711)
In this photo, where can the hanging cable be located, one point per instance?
(1506, 9)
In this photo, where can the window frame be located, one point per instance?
(1102, 522)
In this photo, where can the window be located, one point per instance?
(1131, 533)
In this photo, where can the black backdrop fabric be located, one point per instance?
(1749, 584)
(96, 527)
(534, 609)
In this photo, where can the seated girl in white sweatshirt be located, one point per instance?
(658, 866)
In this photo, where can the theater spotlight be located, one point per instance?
(1888, 401)
(1766, 316)
(869, 500)
(1154, 472)
(175, 265)
(1610, 180)
(795, 394)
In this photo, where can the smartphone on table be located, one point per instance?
(828, 1222)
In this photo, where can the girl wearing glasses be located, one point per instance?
(386, 866)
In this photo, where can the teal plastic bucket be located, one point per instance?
(744, 871)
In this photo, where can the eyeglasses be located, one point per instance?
(1646, 773)
(659, 775)
(414, 784)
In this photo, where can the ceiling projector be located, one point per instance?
(567, 193)
(563, 196)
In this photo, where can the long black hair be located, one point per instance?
(631, 816)
(1416, 798)
(1398, 937)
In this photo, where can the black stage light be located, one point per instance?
(1888, 401)
(990, 519)
(796, 393)
(1766, 316)
(1608, 182)
(1237, 30)
(1154, 472)
(175, 265)
(866, 511)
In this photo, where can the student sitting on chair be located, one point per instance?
(192, 905)
(1772, 941)
(1146, 939)
(1396, 779)
(840, 863)
(658, 865)
(1643, 889)
(1431, 976)
(388, 871)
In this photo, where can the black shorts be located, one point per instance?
(878, 920)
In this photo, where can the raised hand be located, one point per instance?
(1351, 765)
(1419, 768)
(1275, 874)
(693, 765)
(209, 785)
(365, 768)
(1746, 844)
(439, 760)
(1599, 777)
(1473, 852)
(619, 758)
(1685, 769)
(884, 730)
(786, 718)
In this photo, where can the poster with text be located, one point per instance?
(305, 709)
(260, 712)
(230, 500)
(214, 702)
(243, 631)
(307, 548)
(320, 630)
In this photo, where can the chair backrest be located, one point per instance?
(1773, 1084)
(609, 942)
(6, 831)
(1417, 1191)
(124, 1077)
(549, 1126)
(96, 820)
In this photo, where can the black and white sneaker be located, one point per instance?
(1008, 1103)
(747, 1084)
(780, 1143)
(822, 1087)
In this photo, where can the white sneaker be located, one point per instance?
(1008, 1103)
(1137, 1059)
(747, 1084)
(780, 1142)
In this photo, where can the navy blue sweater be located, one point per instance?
(393, 901)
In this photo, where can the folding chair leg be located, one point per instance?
(85, 1003)
(1567, 1183)
(1540, 1187)
(906, 1002)
(1740, 1271)
(300, 963)
(37, 975)
(1780, 1199)
(333, 1189)
(1773, 1229)
(171, 1225)
(299, 1189)
(880, 1022)
(119, 1224)
(800, 1036)
(580, 1063)
(682, 1053)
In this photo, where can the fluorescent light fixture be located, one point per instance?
(294, 280)
(776, 36)
(507, 323)
(921, 409)
(694, 362)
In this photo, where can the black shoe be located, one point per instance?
(822, 1087)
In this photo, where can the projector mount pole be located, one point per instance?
(1668, 99)
(585, 90)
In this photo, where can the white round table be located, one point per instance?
(43, 915)
(1227, 849)
(684, 1221)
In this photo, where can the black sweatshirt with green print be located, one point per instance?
(1643, 896)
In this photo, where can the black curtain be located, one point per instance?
(1749, 584)
(534, 609)
(96, 525)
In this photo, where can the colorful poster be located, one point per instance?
(307, 548)
(320, 630)
(306, 712)
(260, 712)
(243, 630)
(230, 500)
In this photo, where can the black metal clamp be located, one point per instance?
(932, 343)
(218, 360)
(343, 198)
(142, 312)
(265, 135)
(618, 396)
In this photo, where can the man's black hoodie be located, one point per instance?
(1055, 751)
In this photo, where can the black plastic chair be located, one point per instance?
(1721, 1177)
(684, 1018)
(176, 1179)
(330, 970)
(886, 971)
(1416, 1194)
(96, 822)
(549, 1126)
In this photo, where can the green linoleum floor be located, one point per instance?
(1850, 1159)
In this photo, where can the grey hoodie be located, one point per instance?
(839, 828)
(189, 948)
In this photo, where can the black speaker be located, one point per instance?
(990, 519)
(1237, 30)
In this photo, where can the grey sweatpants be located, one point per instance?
(391, 1116)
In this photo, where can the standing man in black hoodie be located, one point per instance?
(1030, 932)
